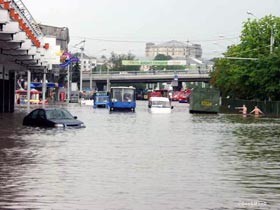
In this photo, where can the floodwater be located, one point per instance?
(141, 161)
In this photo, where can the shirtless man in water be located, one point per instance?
(243, 109)
(256, 111)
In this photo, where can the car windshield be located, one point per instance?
(161, 104)
(58, 114)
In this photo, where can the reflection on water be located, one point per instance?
(141, 161)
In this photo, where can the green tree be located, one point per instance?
(116, 62)
(251, 79)
(162, 57)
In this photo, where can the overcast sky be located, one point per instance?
(126, 25)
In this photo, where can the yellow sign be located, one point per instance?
(206, 103)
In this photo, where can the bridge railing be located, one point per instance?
(154, 72)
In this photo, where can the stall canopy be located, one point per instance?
(39, 85)
(32, 91)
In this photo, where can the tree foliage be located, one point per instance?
(162, 57)
(252, 79)
(116, 62)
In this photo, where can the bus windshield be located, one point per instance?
(123, 94)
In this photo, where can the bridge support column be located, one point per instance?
(180, 85)
(158, 86)
(94, 85)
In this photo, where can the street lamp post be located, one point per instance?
(271, 32)
(90, 79)
(68, 84)
(82, 66)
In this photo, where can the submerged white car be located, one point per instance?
(159, 105)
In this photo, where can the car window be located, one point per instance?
(52, 114)
(58, 114)
(41, 114)
(65, 114)
(34, 114)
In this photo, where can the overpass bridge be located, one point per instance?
(146, 77)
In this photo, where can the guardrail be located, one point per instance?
(148, 76)
(156, 72)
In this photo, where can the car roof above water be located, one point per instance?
(159, 99)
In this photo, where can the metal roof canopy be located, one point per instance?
(16, 48)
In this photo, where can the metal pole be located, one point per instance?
(44, 89)
(82, 65)
(271, 40)
(28, 89)
(68, 83)
(82, 69)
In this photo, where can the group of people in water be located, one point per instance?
(256, 111)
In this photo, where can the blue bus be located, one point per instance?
(122, 98)
(101, 99)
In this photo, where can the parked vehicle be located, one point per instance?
(101, 99)
(184, 96)
(74, 97)
(122, 98)
(139, 94)
(146, 94)
(52, 117)
(158, 93)
(159, 105)
(175, 95)
(204, 100)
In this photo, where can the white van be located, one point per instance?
(159, 105)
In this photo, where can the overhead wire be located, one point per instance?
(143, 41)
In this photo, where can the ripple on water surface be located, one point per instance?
(141, 161)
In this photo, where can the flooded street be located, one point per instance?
(141, 161)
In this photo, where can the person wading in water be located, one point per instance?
(256, 111)
(243, 109)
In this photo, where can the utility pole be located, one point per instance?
(82, 65)
(271, 40)
(68, 83)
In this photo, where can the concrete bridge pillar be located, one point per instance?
(178, 87)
